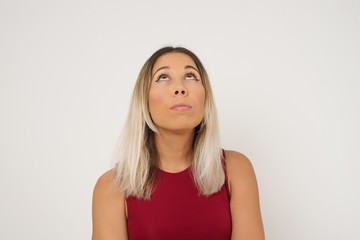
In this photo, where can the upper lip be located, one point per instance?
(180, 105)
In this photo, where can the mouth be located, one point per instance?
(181, 107)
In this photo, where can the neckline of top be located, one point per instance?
(174, 173)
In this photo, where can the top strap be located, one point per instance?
(227, 186)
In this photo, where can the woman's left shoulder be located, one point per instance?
(244, 197)
(237, 161)
(238, 168)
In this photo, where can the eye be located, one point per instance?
(191, 76)
(162, 77)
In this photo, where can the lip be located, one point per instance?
(180, 107)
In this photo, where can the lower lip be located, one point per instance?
(181, 108)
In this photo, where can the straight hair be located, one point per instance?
(136, 156)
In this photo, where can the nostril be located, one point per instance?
(182, 92)
(176, 92)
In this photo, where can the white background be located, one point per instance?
(286, 79)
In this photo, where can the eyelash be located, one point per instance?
(193, 74)
(162, 75)
(186, 75)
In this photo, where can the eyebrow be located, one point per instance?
(189, 66)
(167, 67)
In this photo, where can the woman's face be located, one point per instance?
(177, 95)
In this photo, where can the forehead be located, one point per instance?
(174, 60)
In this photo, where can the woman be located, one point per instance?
(172, 179)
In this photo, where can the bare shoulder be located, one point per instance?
(106, 183)
(106, 190)
(236, 157)
(240, 172)
(244, 197)
(237, 165)
(109, 217)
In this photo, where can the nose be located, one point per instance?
(179, 87)
(182, 92)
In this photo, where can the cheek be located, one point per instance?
(201, 96)
(155, 100)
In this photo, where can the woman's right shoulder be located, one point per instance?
(109, 209)
(106, 177)
(106, 184)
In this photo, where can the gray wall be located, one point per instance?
(285, 75)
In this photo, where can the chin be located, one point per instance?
(177, 129)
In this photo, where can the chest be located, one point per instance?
(177, 211)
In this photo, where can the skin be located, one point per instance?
(174, 80)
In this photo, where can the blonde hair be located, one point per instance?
(137, 159)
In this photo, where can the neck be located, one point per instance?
(175, 150)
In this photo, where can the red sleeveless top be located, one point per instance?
(177, 211)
